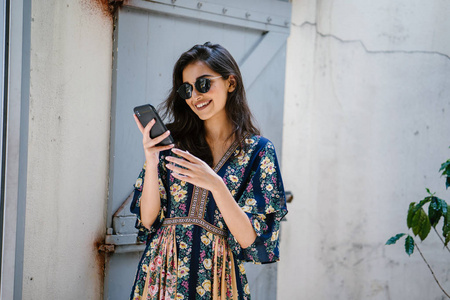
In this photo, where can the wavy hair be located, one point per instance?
(185, 126)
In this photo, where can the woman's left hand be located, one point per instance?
(193, 170)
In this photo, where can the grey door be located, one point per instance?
(148, 39)
(3, 103)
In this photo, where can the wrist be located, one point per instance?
(151, 164)
(218, 186)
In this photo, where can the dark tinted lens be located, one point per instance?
(185, 91)
(203, 85)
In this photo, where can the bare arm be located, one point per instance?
(197, 172)
(236, 219)
(150, 202)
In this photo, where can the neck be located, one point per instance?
(218, 130)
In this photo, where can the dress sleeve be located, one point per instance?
(264, 202)
(143, 232)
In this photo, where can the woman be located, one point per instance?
(214, 201)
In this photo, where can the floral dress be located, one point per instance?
(190, 252)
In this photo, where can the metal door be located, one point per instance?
(149, 36)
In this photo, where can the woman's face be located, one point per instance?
(211, 104)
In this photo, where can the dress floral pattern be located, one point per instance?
(190, 252)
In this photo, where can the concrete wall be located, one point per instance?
(367, 125)
(70, 87)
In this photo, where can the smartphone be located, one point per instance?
(145, 114)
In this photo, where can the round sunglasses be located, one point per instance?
(201, 84)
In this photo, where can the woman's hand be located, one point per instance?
(193, 170)
(150, 149)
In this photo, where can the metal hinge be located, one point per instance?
(122, 237)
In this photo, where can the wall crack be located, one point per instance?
(328, 35)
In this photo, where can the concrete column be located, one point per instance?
(71, 46)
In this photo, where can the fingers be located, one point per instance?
(179, 171)
(152, 142)
(148, 127)
(186, 155)
(163, 148)
(178, 161)
(138, 123)
(147, 141)
(181, 177)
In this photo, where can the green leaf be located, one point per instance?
(446, 226)
(435, 211)
(413, 209)
(411, 213)
(444, 207)
(428, 191)
(423, 202)
(426, 227)
(445, 165)
(409, 245)
(447, 183)
(394, 239)
(447, 239)
(421, 224)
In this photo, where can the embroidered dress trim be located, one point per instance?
(196, 221)
(198, 206)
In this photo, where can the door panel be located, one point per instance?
(149, 37)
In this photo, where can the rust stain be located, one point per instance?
(100, 259)
(106, 7)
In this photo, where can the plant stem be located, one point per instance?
(431, 270)
(441, 239)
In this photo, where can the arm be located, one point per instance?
(150, 202)
(198, 173)
(236, 219)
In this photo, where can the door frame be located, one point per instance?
(16, 94)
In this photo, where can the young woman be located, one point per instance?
(215, 199)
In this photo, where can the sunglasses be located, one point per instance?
(201, 84)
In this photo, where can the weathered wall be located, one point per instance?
(367, 125)
(71, 46)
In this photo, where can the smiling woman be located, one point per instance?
(214, 201)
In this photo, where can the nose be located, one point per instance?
(195, 94)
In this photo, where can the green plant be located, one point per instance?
(421, 223)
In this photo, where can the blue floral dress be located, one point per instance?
(190, 252)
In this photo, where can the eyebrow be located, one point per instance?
(199, 77)
(203, 76)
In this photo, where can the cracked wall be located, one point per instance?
(367, 118)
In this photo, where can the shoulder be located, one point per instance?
(258, 143)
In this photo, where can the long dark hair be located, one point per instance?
(185, 126)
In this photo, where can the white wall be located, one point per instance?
(367, 125)
(71, 46)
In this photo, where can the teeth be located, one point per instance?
(203, 104)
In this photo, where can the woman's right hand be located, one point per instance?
(150, 149)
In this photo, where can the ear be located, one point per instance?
(231, 83)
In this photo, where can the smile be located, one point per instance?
(203, 104)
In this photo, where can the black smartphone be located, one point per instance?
(145, 114)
